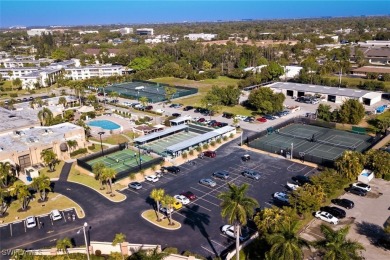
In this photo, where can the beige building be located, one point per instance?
(24, 146)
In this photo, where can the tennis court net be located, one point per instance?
(114, 159)
(129, 164)
(336, 145)
(294, 136)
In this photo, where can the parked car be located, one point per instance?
(212, 122)
(31, 222)
(189, 195)
(357, 191)
(175, 105)
(335, 211)
(221, 174)
(165, 210)
(211, 154)
(251, 174)
(245, 157)
(208, 182)
(135, 185)
(249, 119)
(176, 114)
(229, 231)
(152, 178)
(362, 186)
(177, 205)
(171, 169)
(262, 119)
(327, 217)
(148, 108)
(222, 124)
(227, 115)
(201, 120)
(55, 215)
(301, 180)
(183, 199)
(292, 186)
(345, 203)
(187, 108)
(100, 94)
(269, 117)
(281, 196)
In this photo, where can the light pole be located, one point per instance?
(101, 144)
(85, 237)
(292, 148)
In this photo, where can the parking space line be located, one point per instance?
(208, 250)
(218, 243)
(185, 216)
(199, 206)
(133, 191)
(10, 228)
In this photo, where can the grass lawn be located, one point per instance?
(56, 173)
(150, 215)
(76, 176)
(112, 139)
(55, 201)
(356, 81)
(8, 84)
(131, 134)
(97, 148)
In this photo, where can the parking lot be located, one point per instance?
(203, 214)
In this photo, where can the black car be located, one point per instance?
(335, 211)
(176, 114)
(357, 191)
(345, 203)
(171, 169)
(227, 115)
(249, 119)
(211, 122)
(187, 108)
(301, 180)
(269, 117)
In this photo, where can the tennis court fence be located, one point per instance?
(83, 162)
(137, 168)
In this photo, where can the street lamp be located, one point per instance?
(101, 144)
(139, 157)
(85, 237)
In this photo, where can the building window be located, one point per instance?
(24, 161)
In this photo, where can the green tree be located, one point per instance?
(330, 181)
(97, 169)
(236, 206)
(169, 92)
(307, 198)
(148, 255)
(268, 219)
(17, 82)
(379, 162)
(158, 195)
(114, 95)
(63, 245)
(62, 101)
(108, 174)
(50, 159)
(143, 100)
(119, 239)
(42, 184)
(168, 202)
(351, 112)
(272, 71)
(350, 164)
(45, 116)
(72, 144)
(141, 63)
(264, 100)
(20, 190)
(323, 112)
(285, 244)
(335, 246)
(3, 202)
(206, 65)
(59, 55)
(5, 173)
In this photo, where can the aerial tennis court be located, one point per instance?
(155, 92)
(122, 160)
(313, 143)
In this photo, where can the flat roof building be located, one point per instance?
(200, 36)
(329, 94)
(38, 32)
(87, 72)
(144, 31)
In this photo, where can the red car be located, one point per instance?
(262, 119)
(189, 195)
(210, 154)
(201, 120)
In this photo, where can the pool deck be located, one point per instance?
(125, 124)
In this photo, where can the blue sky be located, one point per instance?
(89, 12)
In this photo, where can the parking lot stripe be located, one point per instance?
(210, 202)
(208, 250)
(199, 206)
(218, 243)
(10, 228)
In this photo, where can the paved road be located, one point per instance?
(201, 220)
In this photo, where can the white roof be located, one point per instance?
(180, 119)
(160, 133)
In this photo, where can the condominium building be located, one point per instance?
(87, 72)
(38, 32)
(144, 31)
(200, 36)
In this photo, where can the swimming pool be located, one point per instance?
(105, 124)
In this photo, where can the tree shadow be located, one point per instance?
(373, 232)
(199, 220)
(151, 202)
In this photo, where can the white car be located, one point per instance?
(229, 231)
(183, 199)
(362, 186)
(55, 215)
(208, 182)
(281, 196)
(327, 217)
(159, 174)
(165, 210)
(292, 186)
(152, 178)
(30, 222)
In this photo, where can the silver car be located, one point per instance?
(251, 174)
(208, 182)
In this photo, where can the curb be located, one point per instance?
(171, 229)
(99, 192)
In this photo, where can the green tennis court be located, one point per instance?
(122, 160)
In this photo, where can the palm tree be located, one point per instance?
(286, 244)
(335, 246)
(143, 100)
(3, 203)
(72, 144)
(5, 172)
(114, 95)
(148, 255)
(97, 169)
(119, 239)
(20, 190)
(39, 101)
(62, 101)
(41, 184)
(350, 164)
(236, 207)
(50, 158)
(168, 202)
(158, 195)
(268, 219)
(108, 174)
(45, 116)
(63, 245)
